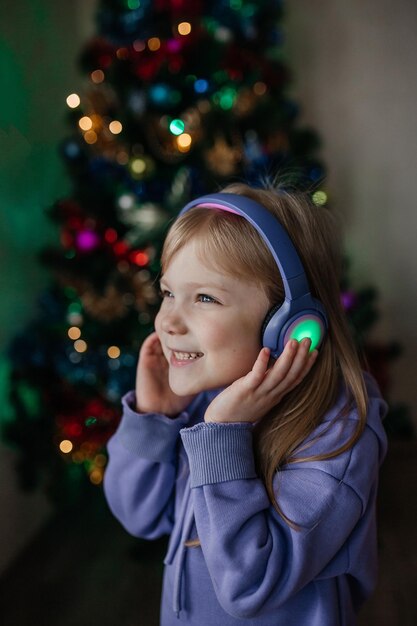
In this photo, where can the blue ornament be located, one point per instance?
(201, 85)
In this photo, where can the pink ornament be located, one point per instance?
(349, 299)
(173, 45)
(87, 240)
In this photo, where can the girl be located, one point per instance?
(264, 472)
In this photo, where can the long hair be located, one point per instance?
(235, 247)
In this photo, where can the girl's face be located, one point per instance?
(209, 324)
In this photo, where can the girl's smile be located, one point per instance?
(209, 323)
(178, 359)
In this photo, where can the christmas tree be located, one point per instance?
(181, 97)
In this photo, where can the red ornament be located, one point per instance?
(148, 68)
(120, 249)
(138, 257)
(73, 429)
(110, 235)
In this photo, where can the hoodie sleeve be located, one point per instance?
(140, 476)
(256, 560)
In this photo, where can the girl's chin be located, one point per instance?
(183, 390)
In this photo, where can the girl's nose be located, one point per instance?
(172, 323)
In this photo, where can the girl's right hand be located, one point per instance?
(153, 393)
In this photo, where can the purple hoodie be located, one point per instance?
(190, 479)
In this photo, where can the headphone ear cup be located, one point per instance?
(309, 325)
(280, 325)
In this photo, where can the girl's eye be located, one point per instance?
(164, 293)
(203, 297)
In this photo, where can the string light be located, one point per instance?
(138, 166)
(80, 345)
(319, 198)
(139, 46)
(115, 127)
(113, 352)
(74, 333)
(73, 100)
(184, 28)
(154, 43)
(90, 137)
(85, 123)
(97, 76)
(226, 97)
(96, 476)
(66, 446)
(126, 200)
(184, 142)
(177, 127)
(122, 54)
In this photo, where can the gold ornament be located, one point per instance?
(223, 158)
(107, 306)
(135, 291)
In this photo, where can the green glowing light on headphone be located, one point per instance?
(310, 329)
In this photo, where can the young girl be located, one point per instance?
(263, 471)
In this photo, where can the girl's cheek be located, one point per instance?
(158, 324)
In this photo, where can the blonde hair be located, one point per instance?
(237, 249)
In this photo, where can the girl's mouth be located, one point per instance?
(184, 358)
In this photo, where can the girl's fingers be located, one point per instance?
(280, 369)
(289, 369)
(151, 342)
(259, 369)
(302, 373)
(299, 364)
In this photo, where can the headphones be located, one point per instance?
(300, 315)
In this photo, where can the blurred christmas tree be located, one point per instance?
(181, 97)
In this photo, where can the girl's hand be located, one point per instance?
(153, 393)
(249, 398)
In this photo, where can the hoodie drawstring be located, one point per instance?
(176, 549)
(179, 566)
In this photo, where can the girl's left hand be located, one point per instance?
(251, 397)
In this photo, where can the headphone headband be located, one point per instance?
(271, 231)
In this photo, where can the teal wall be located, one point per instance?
(39, 44)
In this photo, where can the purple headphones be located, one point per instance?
(300, 315)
